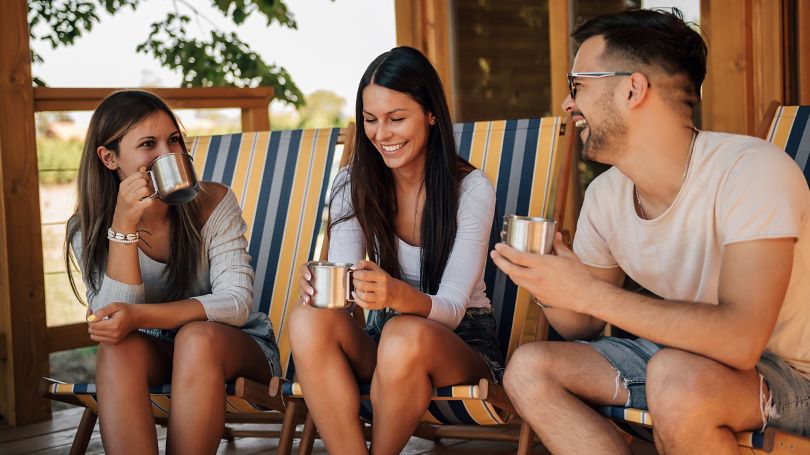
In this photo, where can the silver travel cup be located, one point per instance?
(173, 178)
(332, 283)
(529, 234)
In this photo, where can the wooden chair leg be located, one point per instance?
(84, 433)
(307, 437)
(288, 428)
(525, 440)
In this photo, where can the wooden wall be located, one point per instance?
(22, 285)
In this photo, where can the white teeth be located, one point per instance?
(392, 148)
(581, 123)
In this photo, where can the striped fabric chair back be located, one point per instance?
(281, 180)
(522, 160)
(790, 130)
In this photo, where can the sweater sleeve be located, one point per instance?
(346, 242)
(109, 290)
(465, 266)
(231, 276)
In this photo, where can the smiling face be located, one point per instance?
(397, 126)
(595, 110)
(156, 135)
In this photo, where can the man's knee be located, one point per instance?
(677, 384)
(529, 369)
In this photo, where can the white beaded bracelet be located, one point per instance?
(126, 239)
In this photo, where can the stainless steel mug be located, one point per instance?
(173, 178)
(529, 234)
(332, 283)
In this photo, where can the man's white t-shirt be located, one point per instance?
(737, 189)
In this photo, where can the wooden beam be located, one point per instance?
(256, 119)
(76, 99)
(66, 337)
(559, 29)
(768, 60)
(25, 310)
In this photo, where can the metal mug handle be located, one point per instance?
(154, 185)
(350, 287)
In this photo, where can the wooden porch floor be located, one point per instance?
(56, 436)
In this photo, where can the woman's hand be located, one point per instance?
(112, 323)
(374, 289)
(132, 201)
(306, 290)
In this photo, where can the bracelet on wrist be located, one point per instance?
(126, 239)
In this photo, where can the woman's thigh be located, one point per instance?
(313, 331)
(417, 343)
(204, 342)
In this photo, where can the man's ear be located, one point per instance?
(107, 157)
(639, 87)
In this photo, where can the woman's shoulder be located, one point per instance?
(214, 196)
(476, 186)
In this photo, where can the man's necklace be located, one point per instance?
(639, 205)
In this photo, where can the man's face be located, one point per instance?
(595, 112)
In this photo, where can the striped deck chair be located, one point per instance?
(528, 162)
(281, 180)
(789, 128)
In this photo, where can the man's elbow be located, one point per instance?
(744, 354)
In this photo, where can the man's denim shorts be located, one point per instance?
(789, 389)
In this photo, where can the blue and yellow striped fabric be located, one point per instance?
(522, 160)
(790, 130)
(281, 180)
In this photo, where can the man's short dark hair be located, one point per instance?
(651, 38)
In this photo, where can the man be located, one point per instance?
(718, 225)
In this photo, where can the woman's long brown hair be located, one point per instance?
(406, 70)
(98, 191)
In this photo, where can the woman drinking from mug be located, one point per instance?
(423, 215)
(169, 287)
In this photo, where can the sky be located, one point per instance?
(334, 43)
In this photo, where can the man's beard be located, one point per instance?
(604, 139)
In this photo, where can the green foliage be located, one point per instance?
(58, 160)
(219, 61)
(323, 109)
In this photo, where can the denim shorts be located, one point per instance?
(476, 329)
(790, 391)
(257, 327)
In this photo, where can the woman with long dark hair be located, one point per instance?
(169, 287)
(423, 216)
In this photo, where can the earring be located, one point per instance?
(432, 120)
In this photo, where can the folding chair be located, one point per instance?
(786, 127)
(281, 180)
(528, 161)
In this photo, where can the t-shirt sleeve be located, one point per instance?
(346, 241)
(469, 255)
(763, 196)
(591, 242)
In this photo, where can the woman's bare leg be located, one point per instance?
(331, 353)
(415, 355)
(124, 373)
(206, 356)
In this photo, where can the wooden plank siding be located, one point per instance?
(803, 51)
(22, 288)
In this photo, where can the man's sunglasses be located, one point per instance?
(593, 75)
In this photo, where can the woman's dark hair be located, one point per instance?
(98, 190)
(374, 202)
(651, 37)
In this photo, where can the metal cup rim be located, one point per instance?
(529, 218)
(329, 264)
(151, 164)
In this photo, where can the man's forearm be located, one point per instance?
(574, 326)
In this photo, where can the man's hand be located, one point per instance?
(559, 280)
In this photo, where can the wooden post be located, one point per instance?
(255, 119)
(559, 20)
(425, 25)
(803, 50)
(746, 64)
(24, 308)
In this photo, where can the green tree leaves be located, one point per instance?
(219, 59)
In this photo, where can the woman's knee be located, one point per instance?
(131, 356)
(404, 343)
(199, 340)
(311, 328)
